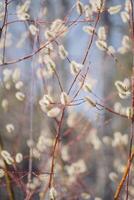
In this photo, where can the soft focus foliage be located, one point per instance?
(66, 100)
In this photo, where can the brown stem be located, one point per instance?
(7, 177)
(5, 33)
(92, 37)
(111, 111)
(126, 172)
(57, 139)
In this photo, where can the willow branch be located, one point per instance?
(126, 172)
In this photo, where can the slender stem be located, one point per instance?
(92, 37)
(57, 139)
(4, 22)
(38, 50)
(72, 84)
(111, 111)
(7, 177)
(83, 81)
(126, 172)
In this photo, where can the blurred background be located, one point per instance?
(94, 145)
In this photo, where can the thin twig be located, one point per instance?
(57, 139)
(92, 37)
(126, 172)
(7, 177)
(4, 22)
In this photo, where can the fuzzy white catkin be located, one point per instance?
(9, 160)
(54, 112)
(30, 143)
(18, 157)
(117, 107)
(111, 50)
(43, 142)
(124, 95)
(58, 27)
(7, 157)
(10, 128)
(97, 5)
(123, 89)
(19, 85)
(31, 186)
(98, 198)
(107, 140)
(45, 108)
(51, 65)
(80, 166)
(33, 29)
(49, 97)
(48, 34)
(75, 67)
(65, 153)
(87, 87)
(2, 173)
(102, 33)
(22, 11)
(126, 42)
(120, 86)
(129, 112)
(119, 139)
(88, 29)
(114, 9)
(20, 96)
(8, 85)
(102, 45)
(125, 16)
(5, 153)
(16, 75)
(36, 153)
(127, 83)
(62, 52)
(7, 75)
(64, 98)
(122, 50)
(85, 196)
(113, 176)
(2, 164)
(128, 6)
(1, 6)
(4, 104)
(88, 11)
(79, 7)
(52, 193)
(47, 101)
